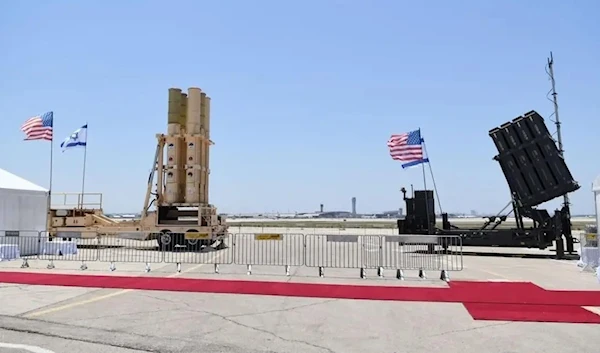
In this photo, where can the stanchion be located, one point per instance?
(400, 274)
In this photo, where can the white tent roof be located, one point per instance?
(596, 185)
(12, 182)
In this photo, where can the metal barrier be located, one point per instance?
(398, 252)
(269, 250)
(66, 249)
(334, 251)
(22, 244)
(198, 252)
(422, 253)
(135, 249)
(342, 251)
(589, 259)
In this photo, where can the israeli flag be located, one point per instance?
(77, 139)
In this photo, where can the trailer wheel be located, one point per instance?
(163, 239)
(167, 240)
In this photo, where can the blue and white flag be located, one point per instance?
(77, 139)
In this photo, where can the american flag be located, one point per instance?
(406, 147)
(39, 127)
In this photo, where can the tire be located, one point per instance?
(167, 240)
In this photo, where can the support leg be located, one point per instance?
(560, 248)
(570, 246)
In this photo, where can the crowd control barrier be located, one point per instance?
(377, 253)
(589, 254)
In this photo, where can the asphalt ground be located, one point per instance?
(64, 319)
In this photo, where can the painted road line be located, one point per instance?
(107, 296)
(25, 347)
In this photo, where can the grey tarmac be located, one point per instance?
(65, 320)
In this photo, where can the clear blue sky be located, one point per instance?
(304, 93)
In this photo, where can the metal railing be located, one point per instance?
(76, 200)
(322, 251)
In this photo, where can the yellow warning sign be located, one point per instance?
(591, 236)
(268, 236)
(196, 235)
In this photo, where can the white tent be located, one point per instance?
(589, 256)
(23, 212)
(596, 191)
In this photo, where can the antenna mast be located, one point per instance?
(556, 118)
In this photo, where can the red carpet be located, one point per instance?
(502, 301)
(532, 313)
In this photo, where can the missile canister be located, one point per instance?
(174, 112)
(174, 146)
(206, 158)
(183, 111)
(194, 108)
(193, 143)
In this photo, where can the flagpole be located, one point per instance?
(437, 194)
(50, 182)
(84, 162)
(51, 160)
(425, 184)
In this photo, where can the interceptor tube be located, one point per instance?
(183, 111)
(194, 110)
(174, 112)
(206, 124)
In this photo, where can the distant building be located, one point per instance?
(390, 214)
(354, 207)
(335, 214)
(307, 215)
